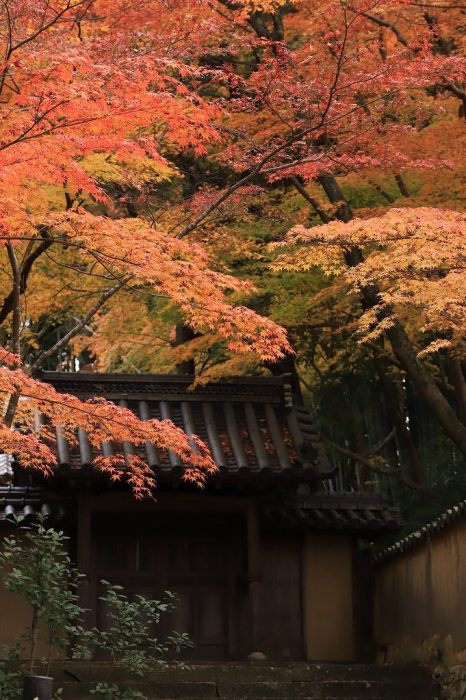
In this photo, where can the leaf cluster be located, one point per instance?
(36, 565)
(129, 637)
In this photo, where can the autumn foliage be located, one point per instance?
(84, 78)
(139, 141)
(415, 257)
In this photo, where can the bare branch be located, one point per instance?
(381, 444)
(381, 22)
(269, 156)
(369, 464)
(312, 201)
(16, 326)
(44, 27)
(79, 326)
(9, 301)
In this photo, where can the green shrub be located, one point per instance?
(36, 565)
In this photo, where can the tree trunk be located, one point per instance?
(398, 419)
(402, 347)
(386, 195)
(402, 186)
(312, 201)
(426, 386)
(458, 382)
(183, 335)
(34, 639)
(333, 191)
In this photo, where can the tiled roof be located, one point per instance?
(27, 501)
(6, 469)
(361, 513)
(251, 425)
(447, 518)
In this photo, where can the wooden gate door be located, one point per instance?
(202, 568)
(197, 570)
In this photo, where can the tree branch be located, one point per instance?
(381, 22)
(16, 327)
(458, 382)
(381, 444)
(269, 156)
(15, 299)
(9, 301)
(384, 471)
(79, 326)
(312, 201)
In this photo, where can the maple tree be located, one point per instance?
(113, 90)
(133, 165)
(383, 76)
(366, 64)
(399, 67)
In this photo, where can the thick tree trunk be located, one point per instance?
(458, 382)
(183, 335)
(426, 386)
(423, 382)
(402, 186)
(312, 201)
(333, 191)
(397, 417)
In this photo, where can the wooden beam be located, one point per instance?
(255, 577)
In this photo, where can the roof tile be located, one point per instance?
(249, 424)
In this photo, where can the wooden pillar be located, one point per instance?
(84, 554)
(255, 577)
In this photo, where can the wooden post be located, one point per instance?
(37, 688)
(84, 559)
(254, 576)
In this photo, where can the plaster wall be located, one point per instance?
(328, 598)
(15, 619)
(420, 601)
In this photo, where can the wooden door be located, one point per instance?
(202, 568)
(197, 569)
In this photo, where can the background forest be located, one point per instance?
(315, 150)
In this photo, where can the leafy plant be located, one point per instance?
(10, 675)
(130, 638)
(36, 565)
(112, 691)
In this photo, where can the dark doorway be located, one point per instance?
(201, 558)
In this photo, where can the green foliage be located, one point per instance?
(112, 691)
(36, 565)
(129, 638)
(11, 675)
(361, 194)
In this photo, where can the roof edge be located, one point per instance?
(434, 526)
(187, 379)
(179, 387)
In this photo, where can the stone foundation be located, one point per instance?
(452, 680)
